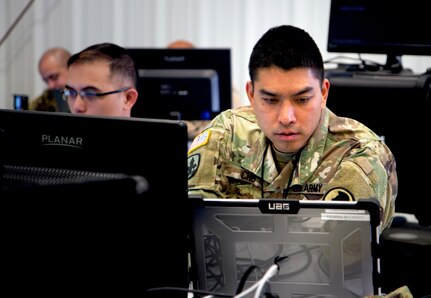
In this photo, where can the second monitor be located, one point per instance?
(182, 84)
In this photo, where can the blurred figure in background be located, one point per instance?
(53, 70)
(181, 44)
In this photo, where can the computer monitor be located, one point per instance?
(380, 27)
(186, 84)
(77, 215)
(379, 102)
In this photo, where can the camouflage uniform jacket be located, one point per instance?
(342, 158)
(402, 292)
(44, 102)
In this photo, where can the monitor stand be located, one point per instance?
(351, 70)
(392, 67)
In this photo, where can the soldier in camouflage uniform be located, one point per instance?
(287, 143)
(53, 70)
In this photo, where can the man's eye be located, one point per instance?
(271, 100)
(303, 99)
(70, 92)
(90, 94)
(52, 77)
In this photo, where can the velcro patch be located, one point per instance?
(200, 140)
(192, 165)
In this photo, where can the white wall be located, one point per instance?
(75, 24)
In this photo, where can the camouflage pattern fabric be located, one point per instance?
(44, 102)
(342, 160)
(194, 127)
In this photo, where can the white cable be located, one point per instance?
(260, 283)
(249, 290)
(269, 273)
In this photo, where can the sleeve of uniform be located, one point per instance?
(370, 173)
(402, 292)
(206, 158)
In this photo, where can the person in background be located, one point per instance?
(181, 44)
(287, 143)
(101, 81)
(194, 127)
(53, 70)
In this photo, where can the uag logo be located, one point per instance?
(278, 206)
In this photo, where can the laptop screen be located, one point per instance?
(328, 249)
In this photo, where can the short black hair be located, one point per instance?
(120, 62)
(286, 47)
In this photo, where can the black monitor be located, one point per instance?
(380, 27)
(87, 204)
(186, 84)
(379, 102)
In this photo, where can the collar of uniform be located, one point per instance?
(312, 153)
(310, 157)
(255, 159)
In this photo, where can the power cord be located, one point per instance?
(244, 278)
(260, 284)
(270, 273)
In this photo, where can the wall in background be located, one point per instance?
(236, 24)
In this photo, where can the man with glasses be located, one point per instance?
(101, 81)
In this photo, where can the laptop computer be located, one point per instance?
(322, 248)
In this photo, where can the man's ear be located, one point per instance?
(131, 97)
(325, 91)
(249, 91)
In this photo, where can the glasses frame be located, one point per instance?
(89, 96)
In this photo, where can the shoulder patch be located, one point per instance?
(200, 140)
(338, 194)
(192, 165)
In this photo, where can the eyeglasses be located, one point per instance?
(90, 96)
